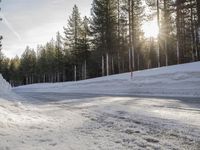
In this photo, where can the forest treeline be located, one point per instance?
(111, 41)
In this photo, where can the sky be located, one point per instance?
(33, 22)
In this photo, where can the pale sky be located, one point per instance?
(33, 22)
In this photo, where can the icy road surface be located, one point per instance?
(58, 121)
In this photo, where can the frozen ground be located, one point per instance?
(100, 122)
(103, 114)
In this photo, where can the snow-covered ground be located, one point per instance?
(174, 81)
(105, 113)
(5, 87)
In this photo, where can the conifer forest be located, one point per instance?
(112, 40)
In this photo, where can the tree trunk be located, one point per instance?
(192, 33)
(130, 36)
(166, 53)
(133, 35)
(85, 69)
(133, 58)
(32, 79)
(158, 21)
(129, 60)
(64, 75)
(177, 52)
(119, 62)
(123, 65)
(165, 33)
(44, 78)
(113, 67)
(118, 36)
(75, 73)
(178, 32)
(138, 62)
(198, 14)
(52, 78)
(103, 66)
(26, 80)
(107, 64)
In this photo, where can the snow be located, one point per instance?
(4, 86)
(104, 113)
(92, 122)
(174, 81)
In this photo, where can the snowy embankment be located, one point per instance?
(176, 81)
(10, 108)
(5, 87)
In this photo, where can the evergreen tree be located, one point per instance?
(42, 64)
(186, 14)
(73, 32)
(72, 37)
(28, 65)
(111, 42)
(14, 72)
(84, 46)
(51, 61)
(104, 25)
(166, 31)
(59, 57)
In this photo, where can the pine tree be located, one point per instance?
(72, 37)
(166, 31)
(28, 65)
(14, 72)
(84, 46)
(51, 59)
(42, 63)
(59, 57)
(134, 12)
(72, 33)
(186, 28)
(4, 66)
(104, 25)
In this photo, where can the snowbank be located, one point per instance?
(178, 80)
(6, 92)
(4, 86)
(12, 111)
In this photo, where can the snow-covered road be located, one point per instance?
(77, 121)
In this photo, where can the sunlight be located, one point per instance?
(150, 29)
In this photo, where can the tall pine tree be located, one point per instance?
(72, 37)
(104, 25)
(73, 32)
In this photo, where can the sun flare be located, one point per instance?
(150, 29)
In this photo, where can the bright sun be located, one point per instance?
(150, 29)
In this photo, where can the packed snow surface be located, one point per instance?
(105, 113)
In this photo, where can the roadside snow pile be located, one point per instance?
(6, 92)
(13, 111)
(4, 86)
(178, 80)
